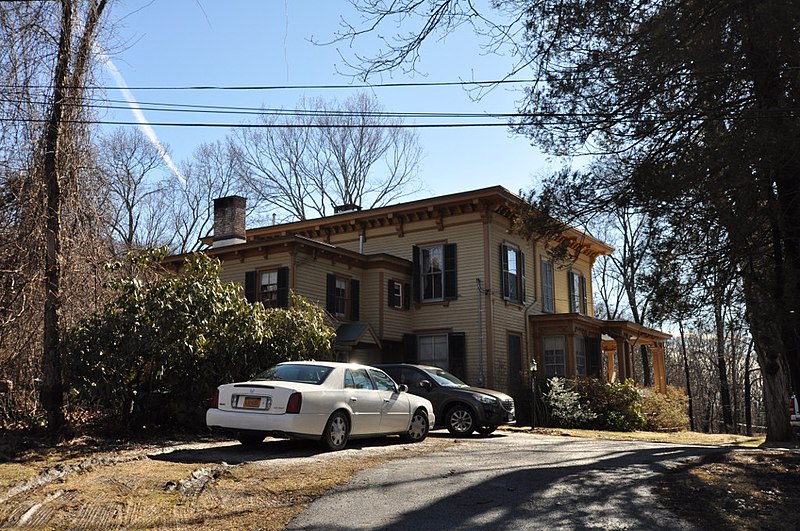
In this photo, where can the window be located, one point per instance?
(269, 286)
(548, 289)
(433, 350)
(434, 272)
(398, 295)
(577, 292)
(512, 265)
(580, 355)
(554, 364)
(357, 379)
(342, 297)
(383, 381)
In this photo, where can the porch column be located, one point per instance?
(610, 363)
(622, 359)
(658, 362)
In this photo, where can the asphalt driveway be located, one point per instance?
(510, 481)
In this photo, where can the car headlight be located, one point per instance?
(486, 399)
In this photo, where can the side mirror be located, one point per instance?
(402, 388)
(425, 384)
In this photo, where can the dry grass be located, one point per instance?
(88, 483)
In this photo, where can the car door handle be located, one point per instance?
(353, 399)
(386, 400)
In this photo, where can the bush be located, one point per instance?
(665, 411)
(157, 351)
(618, 405)
(565, 405)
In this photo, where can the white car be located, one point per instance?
(329, 401)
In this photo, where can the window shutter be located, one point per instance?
(409, 348)
(390, 296)
(450, 278)
(593, 353)
(584, 298)
(504, 270)
(571, 291)
(330, 294)
(283, 287)
(355, 307)
(250, 286)
(416, 285)
(457, 352)
(406, 296)
(521, 277)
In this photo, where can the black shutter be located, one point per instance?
(457, 351)
(355, 288)
(330, 294)
(283, 287)
(593, 356)
(584, 298)
(504, 270)
(521, 277)
(406, 296)
(409, 348)
(450, 278)
(416, 285)
(571, 292)
(250, 286)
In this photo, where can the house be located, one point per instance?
(441, 281)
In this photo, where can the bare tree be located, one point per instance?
(132, 171)
(330, 154)
(215, 170)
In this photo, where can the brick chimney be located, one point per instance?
(229, 222)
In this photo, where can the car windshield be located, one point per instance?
(301, 373)
(444, 378)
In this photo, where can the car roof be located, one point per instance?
(331, 364)
(426, 367)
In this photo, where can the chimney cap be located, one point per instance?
(347, 207)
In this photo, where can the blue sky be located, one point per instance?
(267, 42)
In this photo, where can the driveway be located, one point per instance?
(509, 481)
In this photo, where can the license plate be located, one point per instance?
(252, 402)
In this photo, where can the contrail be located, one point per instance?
(139, 115)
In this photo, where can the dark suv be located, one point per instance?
(458, 407)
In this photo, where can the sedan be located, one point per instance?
(327, 401)
(459, 407)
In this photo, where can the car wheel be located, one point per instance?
(251, 438)
(419, 427)
(486, 430)
(460, 420)
(337, 431)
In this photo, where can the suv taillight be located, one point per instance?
(214, 399)
(295, 403)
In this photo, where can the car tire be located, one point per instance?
(251, 438)
(460, 420)
(337, 432)
(419, 428)
(486, 430)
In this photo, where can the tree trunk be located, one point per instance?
(53, 168)
(645, 352)
(686, 371)
(52, 395)
(724, 386)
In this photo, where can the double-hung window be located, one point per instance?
(433, 350)
(554, 356)
(548, 288)
(434, 273)
(268, 288)
(342, 297)
(577, 293)
(512, 262)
